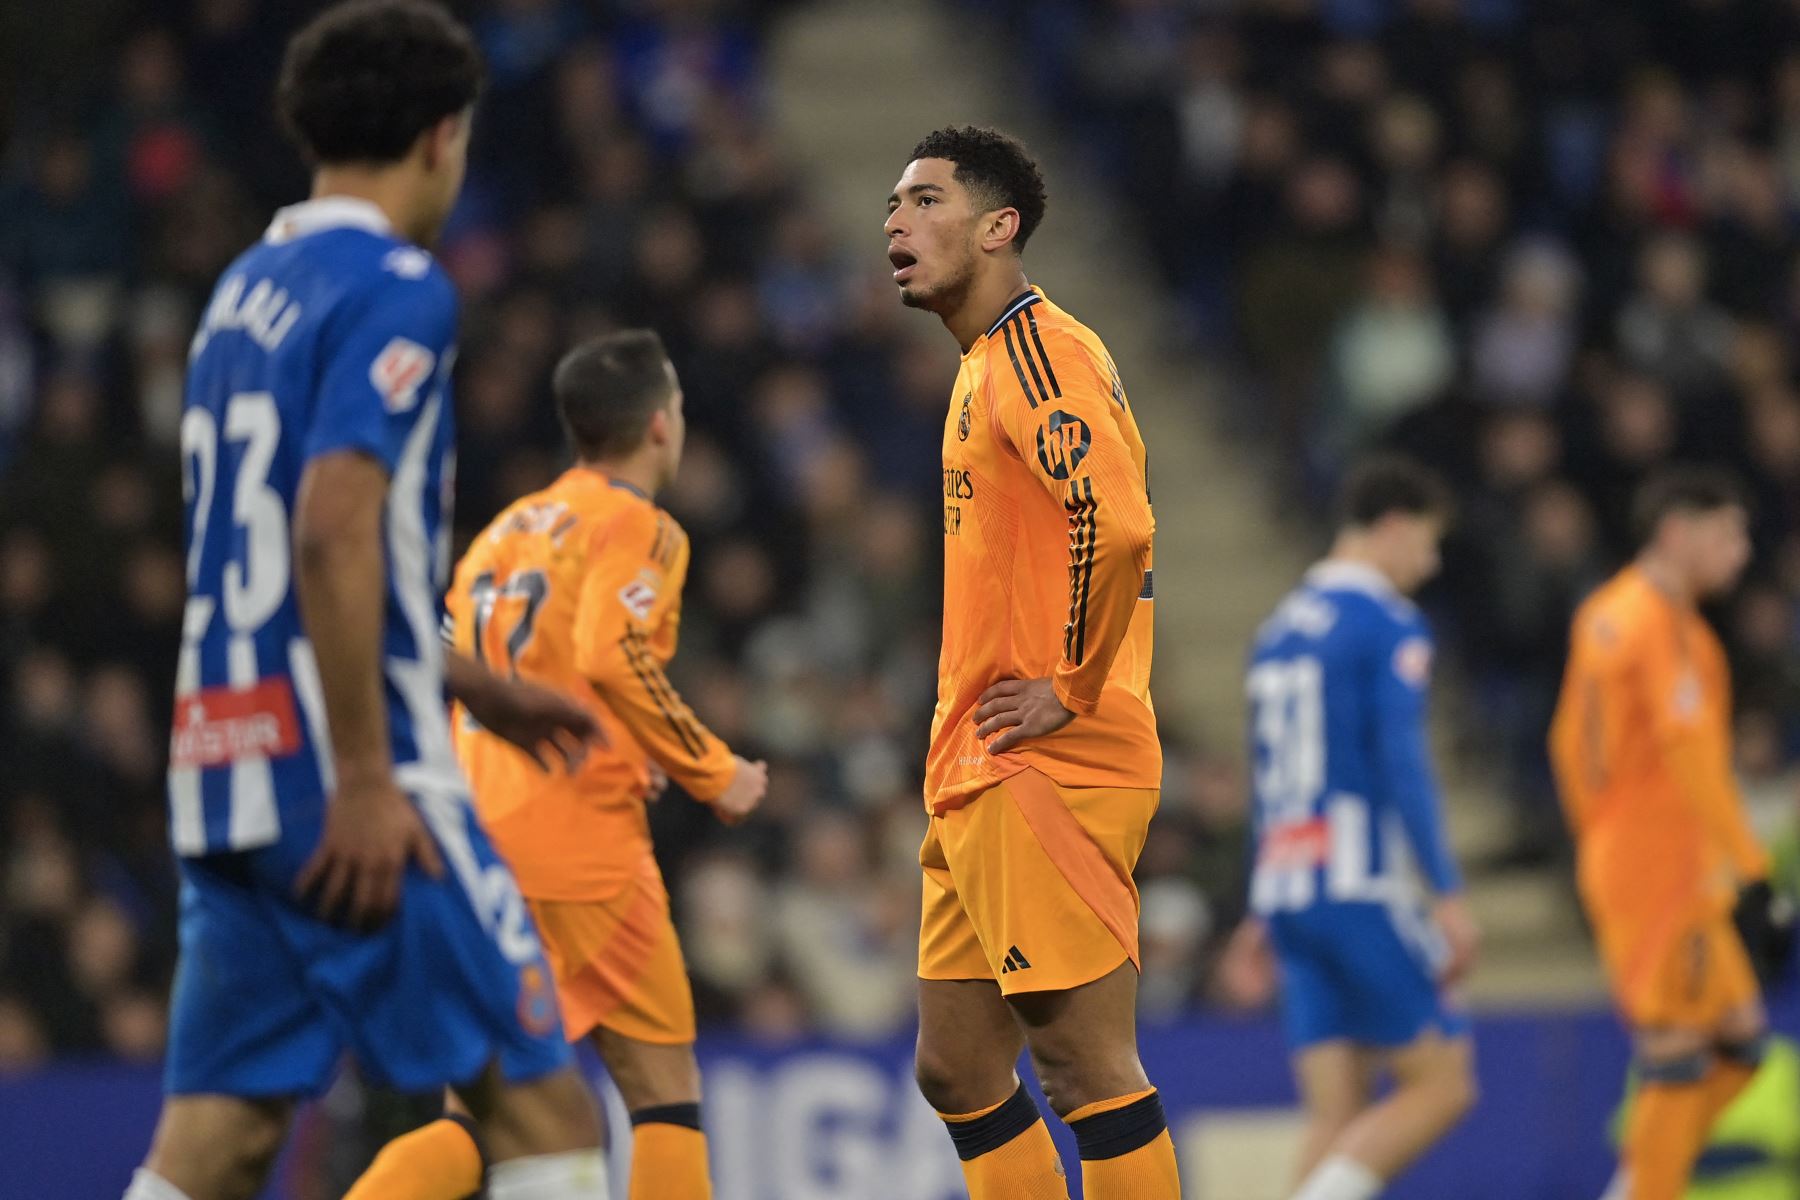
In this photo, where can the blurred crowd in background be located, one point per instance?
(1548, 245)
(621, 174)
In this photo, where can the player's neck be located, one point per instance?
(383, 187)
(639, 473)
(1665, 578)
(986, 301)
(1349, 548)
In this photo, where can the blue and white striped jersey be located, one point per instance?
(1346, 803)
(330, 334)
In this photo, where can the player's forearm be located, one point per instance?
(465, 679)
(1422, 816)
(340, 581)
(1109, 550)
(639, 694)
(1411, 782)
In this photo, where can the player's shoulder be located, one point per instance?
(1064, 337)
(1624, 612)
(394, 273)
(349, 244)
(621, 518)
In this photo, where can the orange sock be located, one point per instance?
(1007, 1153)
(1126, 1152)
(668, 1154)
(439, 1161)
(1670, 1122)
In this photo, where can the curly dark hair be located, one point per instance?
(363, 80)
(996, 168)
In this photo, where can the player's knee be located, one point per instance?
(551, 1115)
(1073, 1076)
(960, 1079)
(943, 1084)
(225, 1153)
(1457, 1088)
(669, 1075)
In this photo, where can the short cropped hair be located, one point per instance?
(608, 388)
(1392, 483)
(996, 168)
(364, 79)
(1685, 490)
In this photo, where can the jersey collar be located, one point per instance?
(1019, 304)
(1353, 577)
(611, 481)
(625, 486)
(327, 212)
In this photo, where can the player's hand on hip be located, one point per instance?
(659, 783)
(1456, 921)
(749, 783)
(372, 830)
(1018, 709)
(542, 722)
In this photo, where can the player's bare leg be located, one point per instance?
(1434, 1087)
(1687, 1078)
(545, 1133)
(1084, 1045)
(212, 1148)
(660, 1084)
(1337, 1082)
(968, 1052)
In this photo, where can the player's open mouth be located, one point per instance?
(904, 263)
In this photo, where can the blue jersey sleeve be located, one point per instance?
(391, 347)
(1402, 670)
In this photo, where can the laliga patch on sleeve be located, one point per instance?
(639, 596)
(1412, 662)
(398, 371)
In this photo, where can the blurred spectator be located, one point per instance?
(850, 941)
(1391, 355)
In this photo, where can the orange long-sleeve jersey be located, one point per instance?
(578, 587)
(1641, 747)
(1047, 534)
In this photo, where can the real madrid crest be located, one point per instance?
(962, 422)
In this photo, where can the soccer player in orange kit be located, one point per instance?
(578, 587)
(1044, 763)
(1641, 745)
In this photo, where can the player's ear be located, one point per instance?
(437, 142)
(1002, 226)
(658, 432)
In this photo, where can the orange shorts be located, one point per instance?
(1029, 884)
(1682, 975)
(617, 963)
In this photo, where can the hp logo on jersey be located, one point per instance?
(1062, 442)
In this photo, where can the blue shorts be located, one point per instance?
(268, 997)
(1364, 973)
